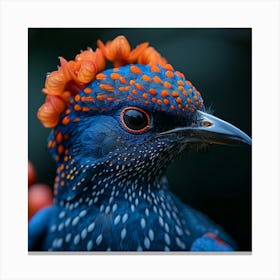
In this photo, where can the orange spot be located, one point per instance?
(157, 79)
(83, 98)
(129, 97)
(66, 136)
(107, 87)
(180, 88)
(154, 68)
(154, 99)
(59, 137)
(50, 144)
(189, 100)
(152, 91)
(60, 149)
(172, 107)
(169, 74)
(179, 100)
(145, 95)
(190, 90)
(135, 69)
(85, 109)
(68, 111)
(181, 75)
(100, 77)
(195, 97)
(167, 85)
(89, 99)
(159, 102)
(100, 97)
(138, 86)
(185, 93)
(77, 107)
(146, 102)
(87, 90)
(180, 106)
(131, 82)
(166, 101)
(175, 93)
(62, 183)
(110, 98)
(134, 91)
(180, 83)
(58, 170)
(187, 106)
(168, 67)
(115, 76)
(76, 120)
(77, 97)
(123, 80)
(164, 93)
(122, 88)
(146, 78)
(188, 83)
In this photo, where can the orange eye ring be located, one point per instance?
(135, 120)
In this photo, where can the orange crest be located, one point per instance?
(73, 75)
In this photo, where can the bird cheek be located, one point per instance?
(97, 144)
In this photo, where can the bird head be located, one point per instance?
(123, 123)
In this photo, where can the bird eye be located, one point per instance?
(135, 120)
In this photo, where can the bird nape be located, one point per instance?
(115, 131)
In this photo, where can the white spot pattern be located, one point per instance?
(123, 233)
(99, 239)
(147, 243)
(89, 245)
(143, 223)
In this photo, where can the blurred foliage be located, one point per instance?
(218, 62)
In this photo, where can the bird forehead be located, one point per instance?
(153, 87)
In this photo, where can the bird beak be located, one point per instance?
(212, 130)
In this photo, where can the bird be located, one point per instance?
(114, 132)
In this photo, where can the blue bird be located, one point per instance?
(115, 132)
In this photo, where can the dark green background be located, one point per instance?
(218, 63)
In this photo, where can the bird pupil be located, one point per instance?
(135, 120)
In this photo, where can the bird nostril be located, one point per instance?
(206, 123)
